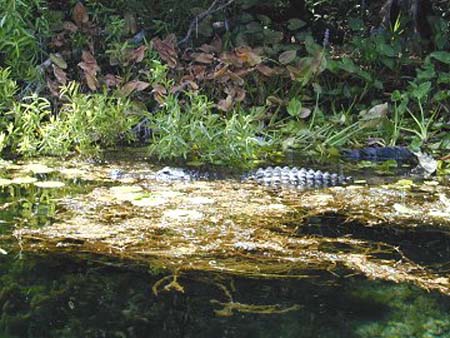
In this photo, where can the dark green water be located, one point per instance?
(55, 295)
(60, 297)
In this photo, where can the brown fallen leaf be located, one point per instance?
(130, 23)
(159, 93)
(240, 94)
(236, 78)
(136, 55)
(53, 87)
(60, 74)
(133, 85)
(217, 44)
(185, 82)
(198, 71)
(203, 58)
(266, 70)
(58, 40)
(112, 80)
(91, 81)
(248, 55)
(80, 15)
(225, 104)
(244, 71)
(237, 93)
(220, 71)
(70, 26)
(205, 48)
(90, 68)
(231, 58)
(167, 50)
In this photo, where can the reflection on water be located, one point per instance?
(60, 297)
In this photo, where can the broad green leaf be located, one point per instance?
(390, 63)
(422, 90)
(443, 78)
(264, 19)
(295, 23)
(253, 27)
(58, 60)
(287, 57)
(386, 50)
(272, 37)
(356, 24)
(294, 107)
(441, 56)
(374, 116)
(427, 73)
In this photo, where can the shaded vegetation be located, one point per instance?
(243, 86)
(228, 83)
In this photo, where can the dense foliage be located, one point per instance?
(244, 81)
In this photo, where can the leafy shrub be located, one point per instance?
(25, 130)
(8, 88)
(18, 23)
(194, 132)
(85, 123)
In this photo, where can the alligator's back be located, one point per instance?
(299, 177)
(380, 154)
(277, 176)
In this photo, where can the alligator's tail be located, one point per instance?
(379, 154)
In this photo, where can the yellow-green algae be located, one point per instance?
(242, 228)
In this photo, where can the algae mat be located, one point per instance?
(241, 228)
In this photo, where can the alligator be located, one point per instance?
(296, 177)
(270, 176)
(380, 154)
(426, 164)
(292, 176)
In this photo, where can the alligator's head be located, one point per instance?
(173, 174)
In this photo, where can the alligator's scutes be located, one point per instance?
(299, 177)
(277, 176)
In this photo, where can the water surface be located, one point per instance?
(74, 292)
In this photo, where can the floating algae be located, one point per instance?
(244, 229)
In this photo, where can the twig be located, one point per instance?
(198, 18)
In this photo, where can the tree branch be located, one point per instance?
(216, 6)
